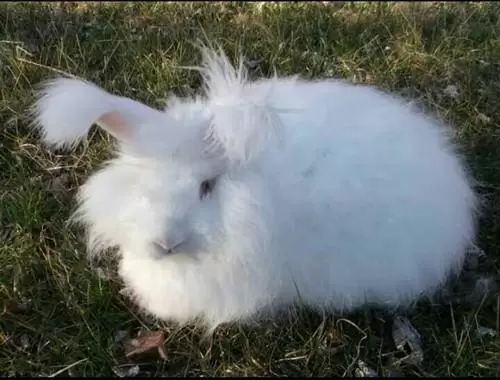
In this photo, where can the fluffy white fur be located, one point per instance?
(335, 194)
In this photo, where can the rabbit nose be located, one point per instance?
(174, 238)
(167, 248)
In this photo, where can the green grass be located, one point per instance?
(415, 49)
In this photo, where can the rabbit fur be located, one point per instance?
(258, 194)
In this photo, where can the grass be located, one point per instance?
(421, 50)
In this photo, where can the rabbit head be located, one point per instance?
(162, 192)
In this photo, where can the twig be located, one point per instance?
(67, 367)
(46, 67)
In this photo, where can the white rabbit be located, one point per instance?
(260, 194)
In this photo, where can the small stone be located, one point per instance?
(252, 64)
(452, 92)
(101, 273)
(121, 335)
(483, 288)
(132, 371)
(25, 341)
(364, 371)
(483, 331)
(405, 335)
(394, 373)
(485, 119)
(59, 184)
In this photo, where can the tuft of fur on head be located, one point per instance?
(244, 119)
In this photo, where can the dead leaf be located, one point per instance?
(3, 338)
(17, 307)
(145, 342)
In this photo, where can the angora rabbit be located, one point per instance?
(260, 194)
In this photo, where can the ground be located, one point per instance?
(61, 317)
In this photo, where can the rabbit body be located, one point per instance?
(329, 194)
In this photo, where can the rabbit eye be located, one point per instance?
(206, 187)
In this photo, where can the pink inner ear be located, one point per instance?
(115, 124)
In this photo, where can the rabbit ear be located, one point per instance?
(115, 124)
(66, 109)
(243, 117)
